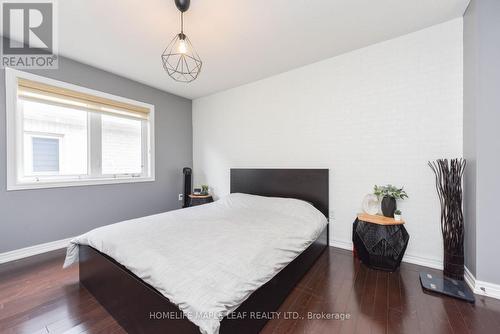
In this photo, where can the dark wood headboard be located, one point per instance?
(306, 184)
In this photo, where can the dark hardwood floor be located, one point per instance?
(38, 296)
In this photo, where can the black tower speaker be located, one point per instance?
(187, 185)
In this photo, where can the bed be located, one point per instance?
(260, 272)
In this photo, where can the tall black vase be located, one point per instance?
(388, 206)
(449, 175)
(449, 186)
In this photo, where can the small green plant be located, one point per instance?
(397, 212)
(390, 191)
(204, 189)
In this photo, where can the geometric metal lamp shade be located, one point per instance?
(180, 59)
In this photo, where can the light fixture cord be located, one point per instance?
(182, 23)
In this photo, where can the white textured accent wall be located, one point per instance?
(373, 116)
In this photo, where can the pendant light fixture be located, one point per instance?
(180, 59)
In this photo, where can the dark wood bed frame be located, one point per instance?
(139, 308)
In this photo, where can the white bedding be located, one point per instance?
(209, 259)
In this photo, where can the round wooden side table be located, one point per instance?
(195, 200)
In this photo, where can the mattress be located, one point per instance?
(209, 259)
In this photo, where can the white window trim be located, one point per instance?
(14, 137)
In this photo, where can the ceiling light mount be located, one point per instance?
(180, 60)
(182, 5)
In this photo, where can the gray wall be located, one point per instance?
(482, 137)
(30, 217)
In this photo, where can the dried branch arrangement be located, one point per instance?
(449, 176)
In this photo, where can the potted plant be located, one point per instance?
(204, 189)
(389, 195)
(397, 215)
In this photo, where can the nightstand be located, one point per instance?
(379, 242)
(195, 200)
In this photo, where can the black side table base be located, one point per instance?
(380, 247)
(195, 201)
(446, 286)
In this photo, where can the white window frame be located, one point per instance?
(15, 140)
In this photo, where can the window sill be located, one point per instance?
(76, 183)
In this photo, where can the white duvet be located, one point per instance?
(209, 259)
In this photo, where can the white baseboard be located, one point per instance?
(341, 244)
(423, 261)
(470, 279)
(33, 250)
(480, 287)
(413, 259)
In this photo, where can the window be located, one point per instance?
(60, 134)
(121, 145)
(44, 155)
(47, 125)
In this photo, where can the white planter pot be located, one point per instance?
(397, 217)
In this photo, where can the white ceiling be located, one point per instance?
(239, 41)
